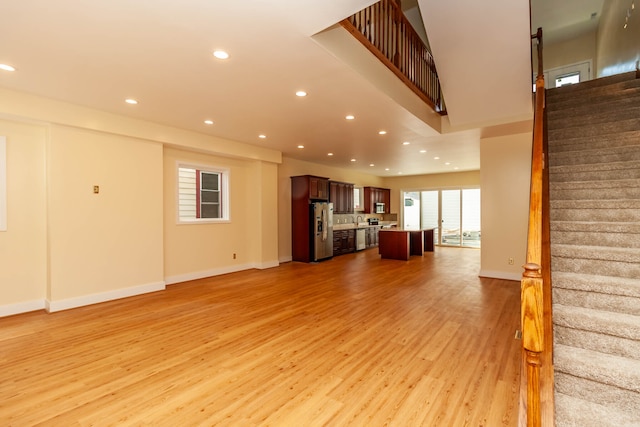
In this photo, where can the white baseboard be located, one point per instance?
(21, 307)
(500, 275)
(179, 278)
(53, 306)
(268, 264)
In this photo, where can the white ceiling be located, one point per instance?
(99, 53)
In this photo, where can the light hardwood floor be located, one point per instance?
(353, 341)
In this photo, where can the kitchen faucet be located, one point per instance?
(358, 221)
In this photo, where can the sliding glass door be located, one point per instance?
(471, 217)
(453, 213)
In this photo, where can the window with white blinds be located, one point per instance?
(203, 194)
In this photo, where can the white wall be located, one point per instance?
(108, 243)
(618, 47)
(23, 246)
(199, 250)
(505, 163)
(66, 246)
(577, 50)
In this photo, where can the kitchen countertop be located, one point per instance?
(353, 226)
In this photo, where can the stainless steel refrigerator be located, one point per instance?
(321, 230)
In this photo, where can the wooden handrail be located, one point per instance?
(386, 32)
(535, 284)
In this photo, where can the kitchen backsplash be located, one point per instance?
(357, 218)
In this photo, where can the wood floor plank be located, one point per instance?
(355, 341)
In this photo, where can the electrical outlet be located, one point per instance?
(510, 261)
(234, 255)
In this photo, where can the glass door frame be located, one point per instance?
(438, 231)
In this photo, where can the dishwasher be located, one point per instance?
(360, 239)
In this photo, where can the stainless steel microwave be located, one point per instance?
(379, 207)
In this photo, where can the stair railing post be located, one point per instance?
(532, 322)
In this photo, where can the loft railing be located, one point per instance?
(386, 32)
(536, 280)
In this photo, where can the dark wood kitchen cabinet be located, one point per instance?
(304, 190)
(371, 236)
(344, 242)
(374, 195)
(341, 195)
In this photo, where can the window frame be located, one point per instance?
(224, 175)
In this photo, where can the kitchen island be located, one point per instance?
(401, 244)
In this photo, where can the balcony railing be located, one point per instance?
(386, 32)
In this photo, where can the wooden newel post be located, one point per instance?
(532, 338)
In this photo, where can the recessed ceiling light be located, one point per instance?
(371, 164)
(447, 163)
(423, 151)
(220, 54)
(300, 146)
(399, 173)
(353, 160)
(436, 158)
(6, 67)
(301, 93)
(382, 132)
(456, 168)
(262, 136)
(350, 117)
(131, 101)
(386, 169)
(406, 143)
(329, 154)
(208, 122)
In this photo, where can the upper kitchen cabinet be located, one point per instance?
(341, 195)
(377, 200)
(309, 187)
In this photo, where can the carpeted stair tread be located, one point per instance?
(595, 283)
(595, 210)
(604, 322)
(605, 260)
(619, 139)
(590, 156)
(597, 88)
(593, 227)
(594, 97)
(589, 109)
(590, 84)
(575, 185)
(605, 190)
(595, 366)
(598, 129)
(575, 412)
(596, 341)
(611, 234)
(592, 114)
(605, 253)
(594, 172)
(615, 398)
